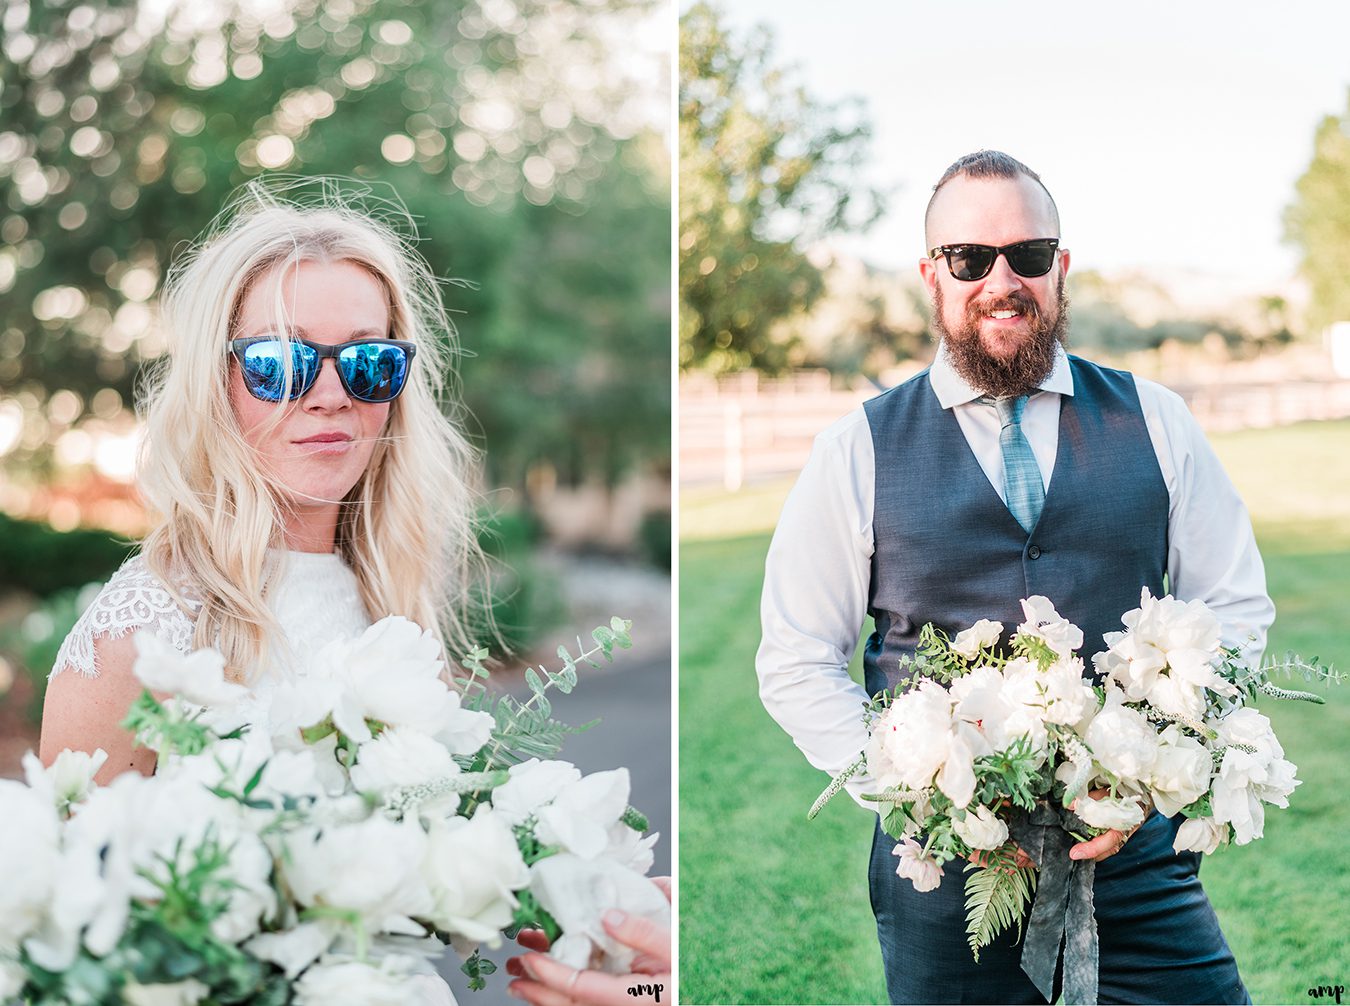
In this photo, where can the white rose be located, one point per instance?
(293, 774)
(12, 978)
(922, 871)
(629, 847)
(531, 785)
(980, 829)
(1122, 740)
(1170, 624)
(1248, 726)
(879, 764)
(983, 634)
(957, 777)
(1024, 687)
(293, 950)
(1122, 813)
(1045, 623)
(473, 868)
(139, 826)
(580, 816)
(354, 983)
(197, 677)
(463, 731)
(1176, 695)
(184, 993)
(1197, 668)
(1068, 698)
(29, 856)
(401, 757)
(1233, 799)
(301, 703)
(1183, 638)
(178, 806)
(1200, 834)
(1180, 773)
(1278, 784)
(915, 734)
(983, 706)
(76, 897)
(68, 780)
(230, 763)
(577, 892)
(391, 673)
(371, 867)
(1131, 663)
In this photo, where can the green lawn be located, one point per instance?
(774, 909)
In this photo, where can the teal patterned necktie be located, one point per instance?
(1022, 485)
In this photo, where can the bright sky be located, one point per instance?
(1171, 133)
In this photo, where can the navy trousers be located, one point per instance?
(1159, 938)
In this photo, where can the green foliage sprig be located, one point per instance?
(526, 729)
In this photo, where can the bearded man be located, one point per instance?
(1006, 469)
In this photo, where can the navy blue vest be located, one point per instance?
(948, 551)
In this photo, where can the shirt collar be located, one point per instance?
(952, 390)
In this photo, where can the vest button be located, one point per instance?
(1034, 551)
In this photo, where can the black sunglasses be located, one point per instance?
(1026, 258)
(371, 370)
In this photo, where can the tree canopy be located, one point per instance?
(766, 170)
(517, 142)
(1318, 221)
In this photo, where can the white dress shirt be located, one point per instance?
(818, 570)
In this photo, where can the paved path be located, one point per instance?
(632, 701)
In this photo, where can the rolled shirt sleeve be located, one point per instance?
(815, 600)
(1211, 548)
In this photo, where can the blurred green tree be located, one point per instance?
(766, 170)
(1318, 222)
(508, 131)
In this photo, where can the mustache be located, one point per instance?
(1019, 302)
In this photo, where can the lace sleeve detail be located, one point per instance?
(133, 599)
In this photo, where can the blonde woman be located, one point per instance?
(304, 477)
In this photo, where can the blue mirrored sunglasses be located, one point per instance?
(371, 370)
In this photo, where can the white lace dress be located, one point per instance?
(314, 597)
(315, 600)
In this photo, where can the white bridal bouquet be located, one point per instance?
(319, 843)
(980, 749)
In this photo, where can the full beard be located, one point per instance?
(1031, 362)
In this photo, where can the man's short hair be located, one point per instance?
(988, 164)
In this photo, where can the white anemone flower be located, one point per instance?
(983, 634)
(1045, 623)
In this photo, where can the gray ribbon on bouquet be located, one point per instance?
(1062, 913)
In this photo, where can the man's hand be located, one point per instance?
(1109, 842)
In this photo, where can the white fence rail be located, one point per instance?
(744, 430)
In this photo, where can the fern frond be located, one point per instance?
(996, 897)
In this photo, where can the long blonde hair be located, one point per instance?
(407, 528)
